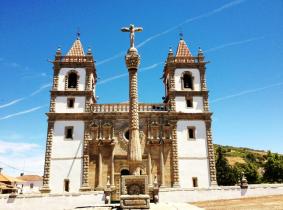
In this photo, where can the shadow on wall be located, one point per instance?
(11, 198)
(243, 192)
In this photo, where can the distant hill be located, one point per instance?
(243, 155)
(259, 166)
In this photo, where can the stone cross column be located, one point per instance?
(132, 61)
(134, 153)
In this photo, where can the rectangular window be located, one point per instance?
(195, 182)
(31, 185)
(70, 102)
(66, 185)
(189, 102)
(191, 132)
(69, 131)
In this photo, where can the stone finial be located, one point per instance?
(89, 51)
(58, 51)
(200, 55)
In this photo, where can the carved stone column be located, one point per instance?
(134, 153)
(149, 167)
(45, 188)
(99, 185)
(162, 171)
(112, 168)
(85, 183)
(211, 159)
(174, 153)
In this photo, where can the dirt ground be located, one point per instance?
(256, 203)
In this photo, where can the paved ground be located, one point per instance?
(256, 203)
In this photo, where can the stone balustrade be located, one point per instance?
(124, 107)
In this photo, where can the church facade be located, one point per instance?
(86, 147)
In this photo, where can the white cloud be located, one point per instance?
(41, 89)
(233, 43)
(21, 113)
(7, 147)
(11, 103)
(17, 157)
(246, 92)
(204, 15)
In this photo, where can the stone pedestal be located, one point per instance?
(135, 192)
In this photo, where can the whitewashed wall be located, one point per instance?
(181, 105)
(51, 201)
(24, 187)
(64, 71)
(67, 168)
(61, 105)
(63, 148)
(66, 156)
(218, 193)
(193, 158)
(195, 74)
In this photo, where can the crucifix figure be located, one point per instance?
(132, 29)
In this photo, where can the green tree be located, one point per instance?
(224, 172)
(273, 168)
(250, 170)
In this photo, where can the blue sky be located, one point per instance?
(242, 39)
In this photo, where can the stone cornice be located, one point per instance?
(52, 116)
(188, 93)
(69, 116)
(170, 115)
(71, 92)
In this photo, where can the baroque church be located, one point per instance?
(87, 142)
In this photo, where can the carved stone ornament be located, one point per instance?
(132, 60)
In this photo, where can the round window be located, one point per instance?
(127, 135)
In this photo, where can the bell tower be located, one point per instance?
(186, 95)
(73, 92)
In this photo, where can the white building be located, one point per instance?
(87, 141)
(30, 184)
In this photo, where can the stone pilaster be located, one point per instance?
(85, 184)
(172, 103)
(202, 77)
(149, 167)
(55, 79)
(174, 153)
(45, 188)
(211, 158)
(205, 103)
(112, 168)
(162, 170)
(52, 104)
(87, 104)
(99, 185)
(88, 81)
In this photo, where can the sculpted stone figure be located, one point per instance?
(132, 29)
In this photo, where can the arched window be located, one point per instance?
(187, 81)
(125, 172)
(72, 80)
